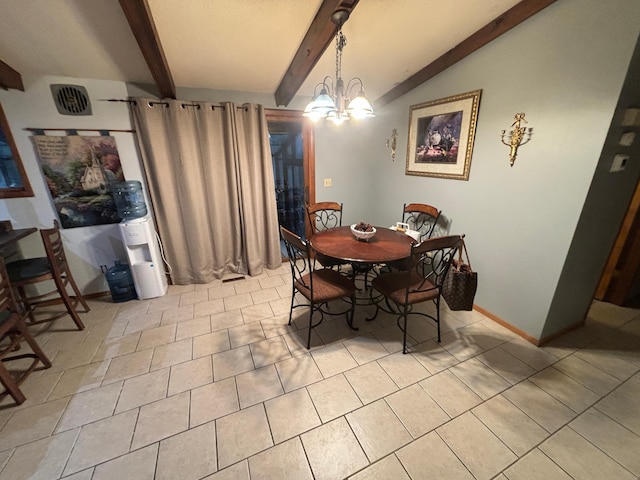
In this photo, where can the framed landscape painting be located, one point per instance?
(441, 134)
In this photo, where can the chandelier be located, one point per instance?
(335, 101)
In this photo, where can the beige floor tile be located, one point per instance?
(220, 321)
(330, 330)
(239, 471)
(164, 303)
(539, 405)
(242, 434)
(433, 357)
(588, 375)
(89, 406)
(581, 459)
(370, 382)
(180, 289)
(297, 342)
(139, 465)
(84, 475)
(287, 460)
(460, 346)
(291, 414)
(247, 286)
(274, 280)
(535, 357)
(258, 312)
(617, 362)
(440, 462)
(631, 388)
(418, 412)
(143, 322)
(622, 409)
(510, 424)
(32, 423)
(535, 466)
(157, 336)
(258, 385)
(178, 458)
(191, 298)
(213, 401)
(612, 438)
(264, 296)
(102, 441)
(391, 338)
(211, 343)
(221, 291)
(506, 365)
(298, 372)
(404, 370)
(193, 328)
(191, 374)
(210, 307)
(387, 468)
(232, 362)
(40, 460)
(168, 355)
(115, 347)
(128, 366)
(452, 395)
(161, 419)
(79, 379)
(276, 325)
(37, 387)
(482, 380)
(281, 306)
(246, 334)
(333, 451)
(480, 450)
(378, 430)
(333, 359)
(76, 356)
(269, 351)
(565, 389)
(238, 301)
(365, 349)
(143, 389)
(333, 397)
(176, 315)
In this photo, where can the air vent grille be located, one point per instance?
(71, 99)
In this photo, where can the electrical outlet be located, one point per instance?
(327, 182)
(619, 163)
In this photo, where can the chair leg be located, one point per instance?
(310, 323)
(438, 317)
(66, 299)
(404, 334)
(351, 313)
(293, 294)
(35, 348)
(11, 385)
(79, 295)
(24, 304)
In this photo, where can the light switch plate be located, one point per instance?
(327, 182)
(619, 163)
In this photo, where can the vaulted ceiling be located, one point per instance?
(266, 46)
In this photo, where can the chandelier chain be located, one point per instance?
(341, 41)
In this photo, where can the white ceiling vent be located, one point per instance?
(71, 99)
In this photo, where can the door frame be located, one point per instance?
(308, 149)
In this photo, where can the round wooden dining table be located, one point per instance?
(387, 245)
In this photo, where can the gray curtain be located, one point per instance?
(210, 178)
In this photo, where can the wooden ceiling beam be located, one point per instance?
(144, 29)
(10, 78)
(319, 36)
(505, 22)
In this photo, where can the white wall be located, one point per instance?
(564, 68)
(87, 247)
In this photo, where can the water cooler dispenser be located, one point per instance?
(140, 241)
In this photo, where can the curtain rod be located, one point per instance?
(33, 129)
(152, 103)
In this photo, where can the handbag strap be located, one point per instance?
(466, 254)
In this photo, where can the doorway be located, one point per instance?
(292, 152)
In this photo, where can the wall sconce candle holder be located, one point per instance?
(517, 137)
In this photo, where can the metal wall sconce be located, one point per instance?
(517, 137)
(392, 143)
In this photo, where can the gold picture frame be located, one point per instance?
(441, 136)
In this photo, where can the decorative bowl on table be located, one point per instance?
(363, 231)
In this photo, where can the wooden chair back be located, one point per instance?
(421, 217)
(324, 215)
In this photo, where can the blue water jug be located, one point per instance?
(129, 199)
(120, 282)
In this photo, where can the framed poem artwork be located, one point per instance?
(441, 135)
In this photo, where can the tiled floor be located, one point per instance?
(210, 382)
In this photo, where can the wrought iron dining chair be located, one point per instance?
(54, 267)
(318, 286)
(430, 262)
(322, 216)
(12, 332)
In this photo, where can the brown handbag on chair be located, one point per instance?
(460, 285)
